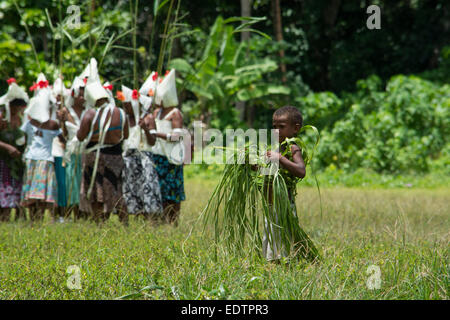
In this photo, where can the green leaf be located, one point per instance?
(261, 90)
(182, 66)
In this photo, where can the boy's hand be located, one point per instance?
(274, 156)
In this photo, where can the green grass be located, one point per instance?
(404, 232)
(435, 179)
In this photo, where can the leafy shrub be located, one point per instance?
(400, 129)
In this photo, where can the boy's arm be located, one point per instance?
(296, 167)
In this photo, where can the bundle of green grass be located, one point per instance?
(249, 198)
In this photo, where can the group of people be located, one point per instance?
(77, 151)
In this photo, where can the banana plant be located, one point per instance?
(226, 73)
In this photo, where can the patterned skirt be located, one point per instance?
(73, 179)
(10, 188)
(171, 180)
(39, 182)
(107, 184)
(141, 190)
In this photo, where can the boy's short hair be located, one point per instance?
(293, 114)
(17, 103)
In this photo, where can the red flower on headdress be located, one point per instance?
(167, 73)
(135, 95)
(110, 87)
(11, 80)
(85, 80)
(40, 85)
(155, 76)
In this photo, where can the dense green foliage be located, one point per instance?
(399, 129)
(379, 97)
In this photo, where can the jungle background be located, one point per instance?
(380, 98)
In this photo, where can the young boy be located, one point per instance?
(288, 121)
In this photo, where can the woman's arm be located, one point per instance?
(126, 129)
(177, 123)
(12, 151)
(85, 125)
(148, 124)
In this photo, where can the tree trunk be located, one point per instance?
(329, 17)
(278, 28)
(246, 11)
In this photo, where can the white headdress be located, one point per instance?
(93, 92)
(94, 89)
(149, 86)
(91, 70)
(167, 91)
(14, 92)
(133, 97)
(109, 89)
(59, 88)
(39, 106)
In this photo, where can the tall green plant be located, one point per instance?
(224, 74)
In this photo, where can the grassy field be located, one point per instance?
(404, 233)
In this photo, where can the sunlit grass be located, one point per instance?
(404, 232)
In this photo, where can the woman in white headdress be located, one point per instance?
(168, 152)
(71, 114)
(59, 98)
(39, 190)
(12, 146)
(103, 128)
(141, 189)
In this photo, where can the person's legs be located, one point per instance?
(20, 214)
(172, 212)
(5, 214)
(98, 213)
(39, 212)
(123, 216)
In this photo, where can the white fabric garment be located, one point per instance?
(167, 91)
(134, 139)
(272, 247)
(40, 142)
(174, 151)
(57, 148)
(14, 92)
(39, 106)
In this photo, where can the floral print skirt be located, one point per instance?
(39, 182)
(171, 180)
(141, 190)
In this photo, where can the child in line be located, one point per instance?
(39, 191)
